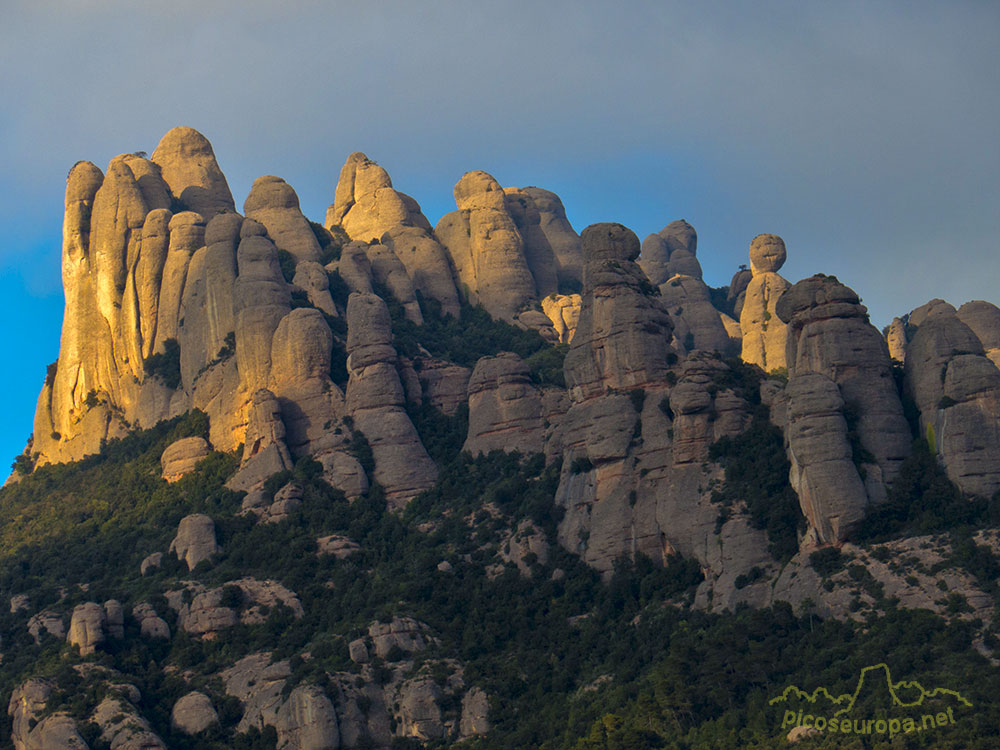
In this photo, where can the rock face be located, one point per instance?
(58, 730)
(829, 333)
(538, 251)
(193, 713)
(823, 474)
(505, 408)
(486, 249)
(564, 312)
(956, 388)
(563, 240)
(895, 339)
(86, 628)
(764, 333)
(368, 208)
(697, 324)
(187, 163)
(670, 252)
(375, 400)
(273, 203)
(984, 320)
(181, 456)
(195, 540)
(621, 341)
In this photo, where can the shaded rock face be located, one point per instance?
(823, 474)
(122, 726)
(562, 238)
(670, 252)
(956, 389)
(829, 333)
(763, 332)
(368, 208)
(738, 290)
(376, 401)
(195, 540)
(486, 249)
(984, 320)
(538, 251)
(505, 408)
(264, 452)
(697, 324)
(181, 457)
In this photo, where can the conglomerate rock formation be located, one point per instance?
(298, 340)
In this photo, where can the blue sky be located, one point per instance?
(865, 134)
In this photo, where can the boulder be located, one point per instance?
(48, 621)
(697, 324)
(151, 625)
(150, 562)
(313, 278)
(260, 300)
(388, 270)
(336, 545)
(895, 339)
(19, 602)
(182, 456)
(195, 540)
(122, 726)
(86, 628)
(29, 731)
(401, 633)
(193, 713)
(114, 619)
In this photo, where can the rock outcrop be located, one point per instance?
(486, 249)
(188, 166)
(273, 203)
(670, 252)
(86, 628)
(195, 540)
(564, 241)
(505, 407)
(823, 474)
(956, 389)
(193, 713)
(31, 731)
(764, 333)
(984, 320)
(538, 253)
(368, 208)
(829, 333)
(181, 457)
(376, 401)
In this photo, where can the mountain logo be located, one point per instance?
(900, 707)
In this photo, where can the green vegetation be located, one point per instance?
(569, 662)
(756, 467)
(470, 336)
(287, 262)
(165, 365)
